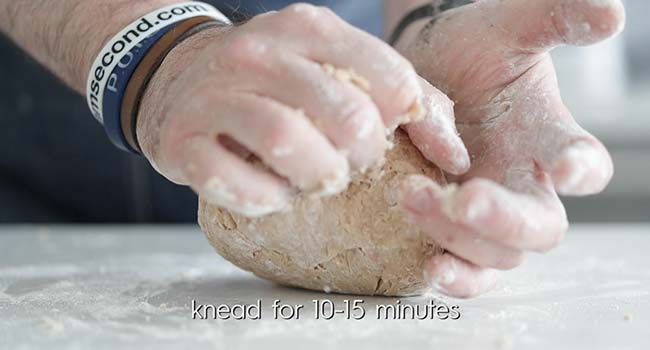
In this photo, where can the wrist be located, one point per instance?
(162, 88)
(127, 62)
(121, 13)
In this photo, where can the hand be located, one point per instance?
(491, 57)
(308, 94)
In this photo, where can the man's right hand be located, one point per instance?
(262, 87)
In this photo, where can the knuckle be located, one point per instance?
(253, 202)
(306, 12)
(555, 237)
(472, 191)
(246, 50)
(515, 232)
(219, 191)
(316, 20)
(323, 12)
(555, 234)
(299, 9)
(359, 136)
(358, 119)
(261, 19)
(275, 138)
(278, 135)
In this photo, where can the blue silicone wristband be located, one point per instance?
(116, 86)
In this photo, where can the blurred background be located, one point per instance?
(56, 164)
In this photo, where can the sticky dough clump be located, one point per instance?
(356, 242)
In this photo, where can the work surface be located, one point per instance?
(124, 287)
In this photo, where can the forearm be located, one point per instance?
(66, 35)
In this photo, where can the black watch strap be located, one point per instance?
(425, 11)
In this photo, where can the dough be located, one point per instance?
(357, 242)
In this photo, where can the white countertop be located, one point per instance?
(131, 287)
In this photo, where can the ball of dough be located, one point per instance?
(357, 242)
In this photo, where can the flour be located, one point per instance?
(106, 288)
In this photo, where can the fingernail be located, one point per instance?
(462, 162)
(217, 190)
(573, 159)
(218, 193)
(442, 280)
(334, 184)
(443, 116)
(446, 278)
(577, 164)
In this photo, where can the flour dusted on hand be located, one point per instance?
(357, 242)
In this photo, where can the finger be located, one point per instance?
(544, 24)
(423, 201)
(582, 168)
(392, 81)
(436, 135)
(343, 112)
(223, 179)
(286, 141)
(458, 278)
(282, 137)
(578, 163)
(532, 218)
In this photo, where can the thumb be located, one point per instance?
(436, 135)
(544, 24)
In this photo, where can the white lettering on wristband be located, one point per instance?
(130, 37)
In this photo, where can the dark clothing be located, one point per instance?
(56, 163)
